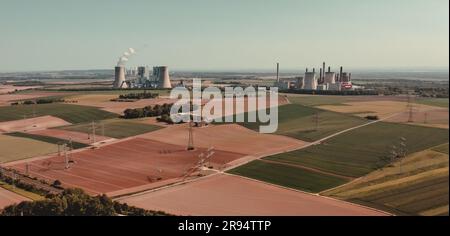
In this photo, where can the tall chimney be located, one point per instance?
(321, 75)
(329, 69)
(306, 70)
(314, 70)
(323, 70)
(278, 72)
(340, 73)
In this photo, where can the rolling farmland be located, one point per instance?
(14, 148)
(309, 124)
(416, 186)
(68, 112)
(114, 128)
(363, 150)
(47, 139)
(288, 176)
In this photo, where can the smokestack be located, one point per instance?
(278, 72)
(321, 75)
(340, 73)
(329, 69)
(323, 70)
(314, 70)
(306, 70)
(119, 80)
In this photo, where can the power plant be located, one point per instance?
(325, 80)
(140, 77)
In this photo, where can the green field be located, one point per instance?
(47, 139)
(68, 112)
(416, 186)
(361, 151)
(114, 128)
(438, 102)
(287, 176)
(298, 121)
(317, 100)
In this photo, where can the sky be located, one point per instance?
(223, 35)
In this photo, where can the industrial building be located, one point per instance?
(140, 77)
(325, 80)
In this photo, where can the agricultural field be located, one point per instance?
(15, 148)
(437, 102)
(341, 158)
(114, 128)
(418, 185)
(68, 112)
(382, 109)
(37, 123)
(360, 151)
(47, 139)
(288, 176)
(227, 195)
(8, 198)
(121, 166)
(308, 123)
(441, 148)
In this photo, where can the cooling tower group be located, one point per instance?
(140, 77)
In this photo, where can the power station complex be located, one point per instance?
(140, 77)
(325, 80)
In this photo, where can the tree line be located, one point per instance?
(75, 202)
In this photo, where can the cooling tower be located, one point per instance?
(162, 75)
(345, 77)
(310, 81)
(330, 78)
(119, 80)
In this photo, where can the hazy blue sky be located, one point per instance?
(223, 34)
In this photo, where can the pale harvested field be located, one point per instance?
(70, 135)
(103, 101)
(31, 124)
(8, 198)
(232, 137)
(225, 195)
(14, 148)
(438, 118)
(230, 110)
(382, 109)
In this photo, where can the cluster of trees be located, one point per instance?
(148, 111)
(75, 202)
(143, 95)
(24, 186)
(39, 101)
